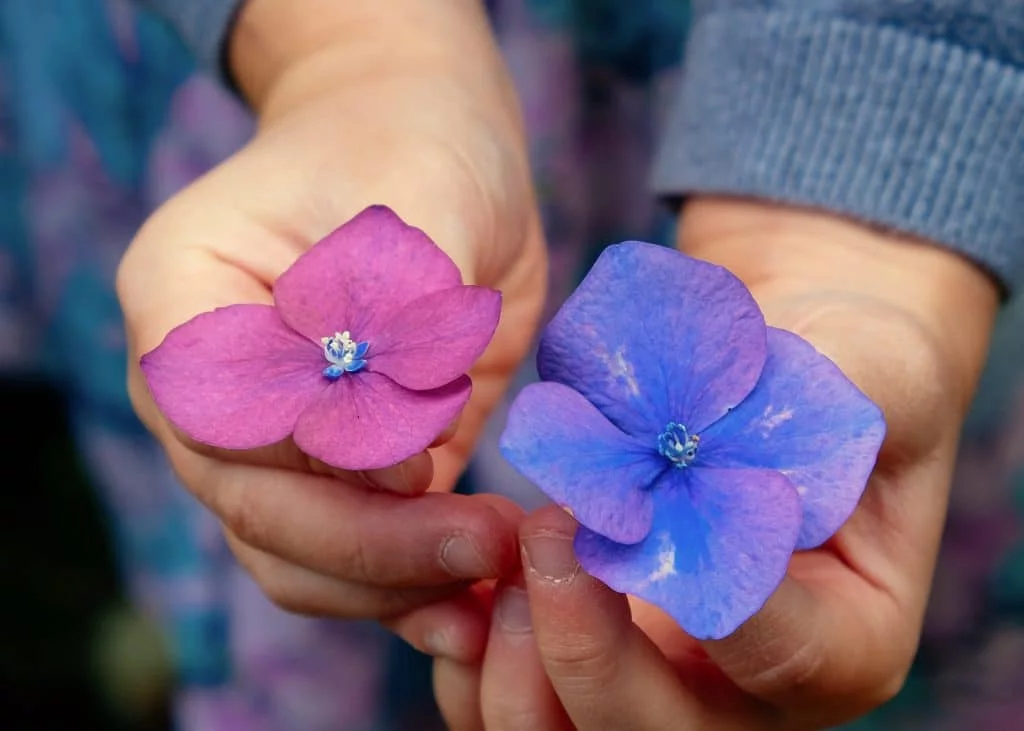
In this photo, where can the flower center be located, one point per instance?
(343, 354)
(677, 445)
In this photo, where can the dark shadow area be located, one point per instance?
(58, 571)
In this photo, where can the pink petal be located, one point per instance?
(365, 420)
(435, 339)
(236, 377)
(368, 268)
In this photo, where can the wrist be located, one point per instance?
(790, 254)
(284, 54)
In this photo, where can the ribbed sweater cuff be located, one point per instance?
(871, 122)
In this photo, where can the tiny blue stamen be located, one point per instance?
(677, 445)
(344, 354)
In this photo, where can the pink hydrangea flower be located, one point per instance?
(361, 359)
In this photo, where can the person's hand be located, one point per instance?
(909, 323)
(404, 104)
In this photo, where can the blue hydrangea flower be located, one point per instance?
(696, 446)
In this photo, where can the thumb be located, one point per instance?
(604, 669)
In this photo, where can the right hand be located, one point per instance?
(378, 109)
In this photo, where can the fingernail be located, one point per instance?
(438, 644)
(550, 556)
(463, 560)
(513, 611)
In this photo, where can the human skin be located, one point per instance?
(358, 103)
(909, 323)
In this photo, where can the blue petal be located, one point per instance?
(558, 440)
(361, 349)
(653, 336)
(807, 420)
(719, 547)
(356, 365)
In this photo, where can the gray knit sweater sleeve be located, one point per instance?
(908, 114)
(904, 113)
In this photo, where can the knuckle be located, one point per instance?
(355, 562)
(798, 672)
(347, 603)
(269, 579)
(195, 473)
(281, 597)
(246, 520)
(285, 594)
(883, 675)
(843, 696)
(844, 704)
(508, 715)
(580, 660)
(885, 687)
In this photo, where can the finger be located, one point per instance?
(301, 591)
(454, 629)
(448, 434)
(410, 477)
(457, 690)
(371, 537)
(606, 672)
(515, 692)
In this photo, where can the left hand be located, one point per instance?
(909, 323)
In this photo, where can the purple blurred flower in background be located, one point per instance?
(361, 359)
(697, 447)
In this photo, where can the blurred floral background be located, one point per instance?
(123, 609)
